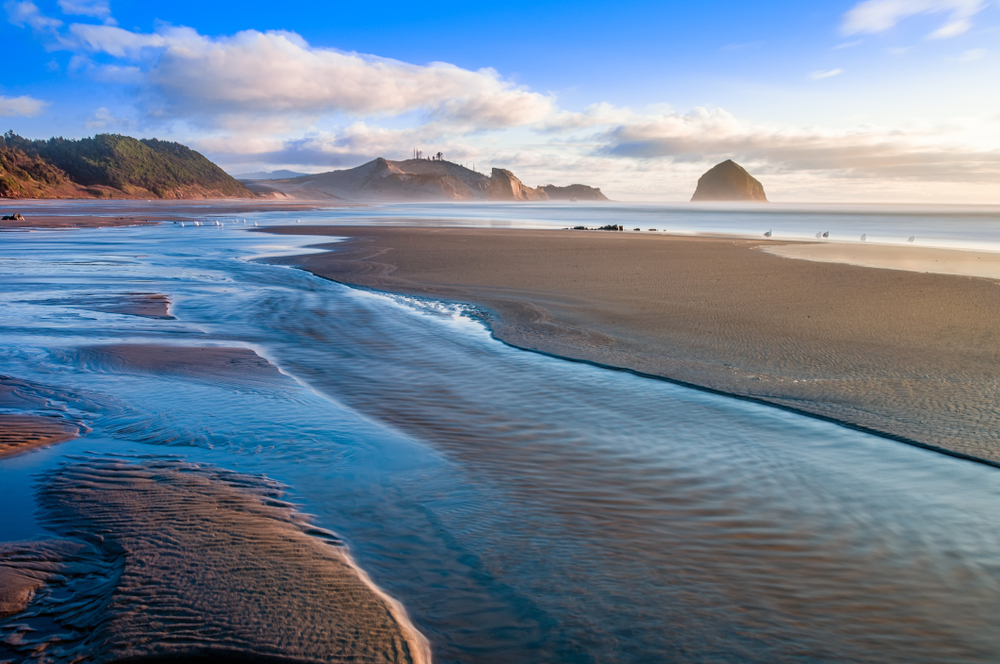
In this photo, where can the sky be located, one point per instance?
(894, 101)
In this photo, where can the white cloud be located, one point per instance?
(279, 73)
(121, 43)
(592, 116)
(103, 119)
(972, 55)
(27, 14)
(819, 75)
(873, 16)
(708, 136)
(23, 105)
(100, 9)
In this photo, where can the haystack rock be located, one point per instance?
(504, 186)
(728, 181)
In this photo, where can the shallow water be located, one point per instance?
(521, 507)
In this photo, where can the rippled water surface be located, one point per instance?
(522, 508)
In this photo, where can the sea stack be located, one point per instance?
(728, 181)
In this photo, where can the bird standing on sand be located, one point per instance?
(864, 237)
(911, 238)
(767, 234)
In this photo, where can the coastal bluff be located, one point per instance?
(110, 166)
(412, 180)
(728, 181)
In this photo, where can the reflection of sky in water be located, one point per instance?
(956, 226)
(523, 508)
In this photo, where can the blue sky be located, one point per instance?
(878, 100)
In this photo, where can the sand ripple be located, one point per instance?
(173, 559)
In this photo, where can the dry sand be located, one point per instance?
(909, 355)
(934, 260)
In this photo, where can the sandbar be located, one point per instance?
(83, 213)
(178, 560)
(904, 354)
(22, 432)
(210, 363)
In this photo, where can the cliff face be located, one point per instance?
(110, 166)
(574, 192)
(504, 186)
(382, 180)
(728, 181)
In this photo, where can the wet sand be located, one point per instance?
(173, 559)
(21, 432)
(144, 305)
(197, 362)
(82, 213)
(71, 221)
(905, 354)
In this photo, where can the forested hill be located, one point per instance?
(110, 166)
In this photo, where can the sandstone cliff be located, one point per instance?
(728, 181)
(504, 186)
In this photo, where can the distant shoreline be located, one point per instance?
(906, 355)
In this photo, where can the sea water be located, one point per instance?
(521, 507)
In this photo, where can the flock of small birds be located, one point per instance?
(825, 235)
(217, 222)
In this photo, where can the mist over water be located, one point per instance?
(521, 507)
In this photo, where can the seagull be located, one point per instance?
(255, 223)
(826, 234)
(182, 224)
(911, 238)
(819, 235)
(298, 221)
(767, 234)
(864, 237)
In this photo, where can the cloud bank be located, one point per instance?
(23, 105)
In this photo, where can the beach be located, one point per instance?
(906, 354)
(368, 472)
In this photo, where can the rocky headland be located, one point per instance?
(382, 180)
(110, 166)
